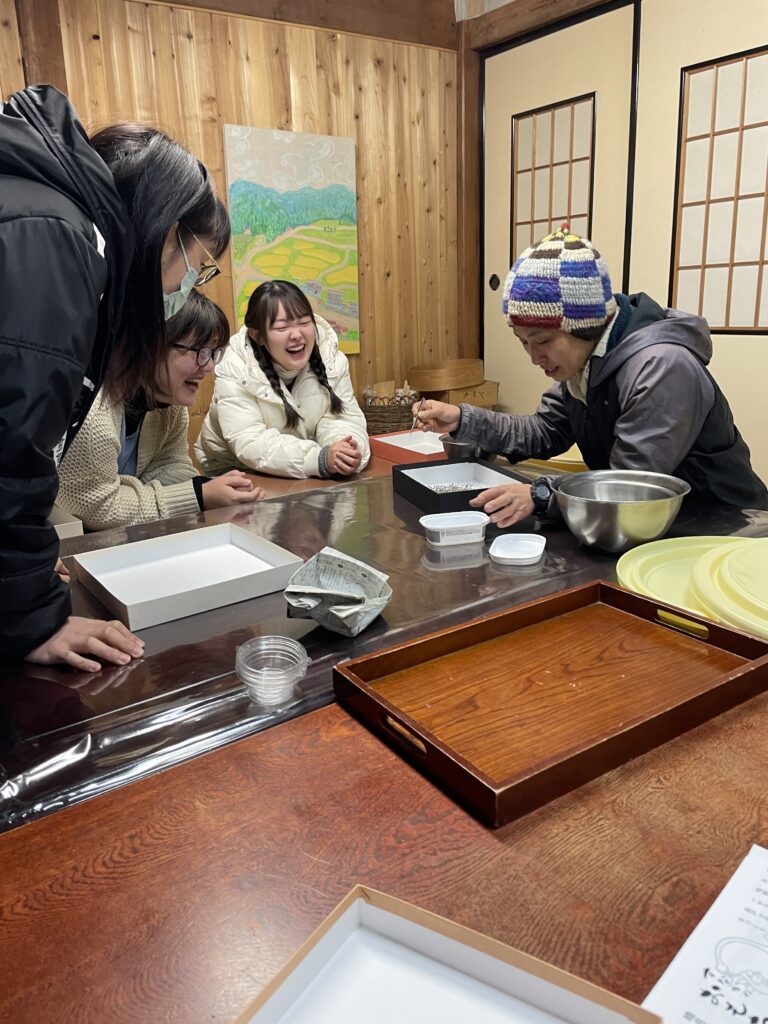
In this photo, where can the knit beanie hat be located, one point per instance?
(561, 283)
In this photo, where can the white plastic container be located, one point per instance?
(518, 548)
(444, 528)
(270, 667)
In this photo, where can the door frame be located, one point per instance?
(476, 45)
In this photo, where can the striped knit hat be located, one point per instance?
(560, 283)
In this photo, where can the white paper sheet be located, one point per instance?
(721, 973)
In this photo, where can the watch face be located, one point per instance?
(541, 492)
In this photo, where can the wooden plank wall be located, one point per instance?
(193, 71)
(11, 69)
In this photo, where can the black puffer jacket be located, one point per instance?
(65, 250)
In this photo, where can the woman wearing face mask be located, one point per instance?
(100, 241)
(283, 402)
(130, 463)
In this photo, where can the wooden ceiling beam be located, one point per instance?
(428, 23)
(521, 16)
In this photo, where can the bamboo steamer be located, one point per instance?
(447, 374)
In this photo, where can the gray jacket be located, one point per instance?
(651, 404)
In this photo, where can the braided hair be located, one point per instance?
(265, 362)
(259, 317)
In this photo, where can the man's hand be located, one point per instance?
(438, 416)
(506, 504)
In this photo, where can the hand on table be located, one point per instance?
(229, 489)
(63, 571)
(344, 456)
(438, 416)
(506, 504)
(79, 637)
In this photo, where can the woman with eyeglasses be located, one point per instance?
(130, 463)
(101, 241)
(283, 401)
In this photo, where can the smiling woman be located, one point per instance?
(130, 462)
(283, 402)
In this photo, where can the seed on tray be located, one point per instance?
(467, 485)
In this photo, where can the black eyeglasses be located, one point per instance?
(203, 356)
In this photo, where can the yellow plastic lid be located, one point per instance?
(732, 582)
(571, 461)
(662, 569)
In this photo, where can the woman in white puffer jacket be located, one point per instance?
(283, 402)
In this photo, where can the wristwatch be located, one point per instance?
(541, 492)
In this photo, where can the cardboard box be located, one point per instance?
(64, 523)
(415, 482)
(407, 446)
(484, 395)
(379, 959)
(165, 578)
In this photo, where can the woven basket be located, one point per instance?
(384, 419)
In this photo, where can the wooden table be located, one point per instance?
(67, 736)
(177, 898)
(71, 735)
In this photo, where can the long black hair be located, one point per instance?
(261, 314)
(159, 183)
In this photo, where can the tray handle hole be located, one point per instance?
(697, 629)
(404, 733)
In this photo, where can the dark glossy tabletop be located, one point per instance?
(72, 735)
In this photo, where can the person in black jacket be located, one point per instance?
(101, 241)
(631, 387)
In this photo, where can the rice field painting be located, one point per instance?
(294, 216)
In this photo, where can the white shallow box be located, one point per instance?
(408, 446)
(383, 961)
(64, 523)
(167, 578)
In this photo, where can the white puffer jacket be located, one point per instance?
(246, 425)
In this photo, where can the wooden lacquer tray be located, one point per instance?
(511, 710)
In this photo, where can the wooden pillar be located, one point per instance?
(42, 50)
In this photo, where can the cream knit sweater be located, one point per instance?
(91, 488)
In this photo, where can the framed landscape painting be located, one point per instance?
(293, 208)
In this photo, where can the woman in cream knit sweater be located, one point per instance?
(132, 465)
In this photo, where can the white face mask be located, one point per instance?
(173, 302)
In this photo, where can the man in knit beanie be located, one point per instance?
(561, 283)
(630, 387)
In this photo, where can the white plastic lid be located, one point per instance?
(518, 548)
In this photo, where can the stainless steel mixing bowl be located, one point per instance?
(616, 509)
